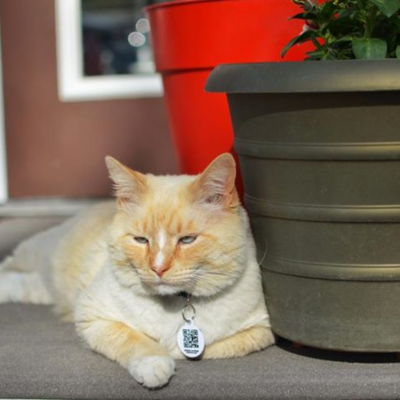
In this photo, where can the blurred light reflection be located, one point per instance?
(136, 39)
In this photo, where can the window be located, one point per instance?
(104, 50)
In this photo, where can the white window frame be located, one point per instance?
(72, 84)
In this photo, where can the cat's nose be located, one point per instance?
(159, 270)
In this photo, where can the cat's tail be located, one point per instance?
(19, 286)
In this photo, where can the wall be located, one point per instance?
(57, 149)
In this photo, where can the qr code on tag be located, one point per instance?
(190, 338)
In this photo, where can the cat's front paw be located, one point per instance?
(152, 371)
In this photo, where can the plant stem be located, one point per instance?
(370, 23)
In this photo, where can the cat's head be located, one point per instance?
(178, 233)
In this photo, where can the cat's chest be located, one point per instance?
(162, 318)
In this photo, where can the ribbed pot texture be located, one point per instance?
(319, 149)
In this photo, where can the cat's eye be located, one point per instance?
(187, 239)
(140, 239)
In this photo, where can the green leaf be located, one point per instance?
(345, 12)
(340, 26)
(369, 49)
(316, 55)
(307, 16)
(398, 52)
(304, 37)
(343, 39)
(328, 10)
(310, 5)
(306, 5)
(388, 7)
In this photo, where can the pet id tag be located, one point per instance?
(190, 338)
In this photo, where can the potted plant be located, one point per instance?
(190, 38)
(319, 149)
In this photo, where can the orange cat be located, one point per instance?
(117, 269)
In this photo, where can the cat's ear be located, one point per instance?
(216, 185)
(129, 185)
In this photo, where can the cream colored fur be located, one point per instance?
(122, 293)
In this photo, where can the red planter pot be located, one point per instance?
(190, 38)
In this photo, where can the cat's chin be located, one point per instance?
(162, 289)
(166, 290)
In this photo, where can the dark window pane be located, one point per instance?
(116, 37)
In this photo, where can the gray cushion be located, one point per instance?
(41, 357)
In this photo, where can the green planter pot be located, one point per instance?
(319, 148)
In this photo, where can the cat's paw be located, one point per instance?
(152, 371)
